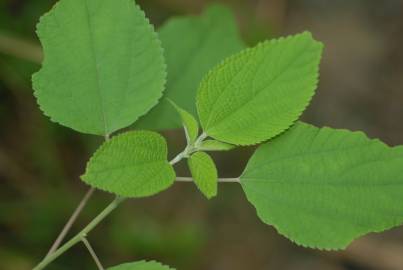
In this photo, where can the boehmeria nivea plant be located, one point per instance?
(106, 69)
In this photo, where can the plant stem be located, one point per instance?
(81, 236)
(47, 260)
(178, 158)
(70, 222)
(200, 139)
(74, 216)
(93, 254)
(20, 48)
(189, 149)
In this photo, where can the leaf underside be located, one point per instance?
(204, 173)
(192, 46)
(141, 265)
(133, 164)
(258, 93)
(322, 187)
(103, 66)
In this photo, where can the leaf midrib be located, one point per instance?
(95, 63)
(128, 166)
(259, 91)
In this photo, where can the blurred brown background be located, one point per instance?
(40, 162)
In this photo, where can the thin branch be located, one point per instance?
(220, 180)
(73, 217)
(189, 149)
(83, 233)
(178, 158)
(200, 139)
(76, 239)
(93, 254)
(20, 48)
(70, 222)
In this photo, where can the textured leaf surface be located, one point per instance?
(189, 122)
(324, 187)
(192, 46)
(204, 173)
(133, 164)
(142, 265)
(258, 93)
(213, 145)
(103, 65)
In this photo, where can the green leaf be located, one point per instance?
(189, 122)
(133, 164)
(258, 93)
(142, 265)
(192, 46)
(322, 187)
(213, 145)
(103, 66)
(204, 173)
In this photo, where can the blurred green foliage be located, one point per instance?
(40, 162)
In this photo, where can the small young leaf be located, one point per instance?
(204, 173)
(192, 46)
(213, 145)
(190, 123)
(323, 187)
(103, 66)
(141, 265)
(133, 164)
(258, 93)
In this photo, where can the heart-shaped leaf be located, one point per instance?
(133, 164)
(103, 66)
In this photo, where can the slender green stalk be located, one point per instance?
(20, 48)
(93, 254)
(189, 149)
(74, 216)
(81, 235)
(71, 221)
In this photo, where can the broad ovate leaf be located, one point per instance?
(133, 164)
(103, 66)
(141, 265)
(258, 93)
(204, 173)
(322, 187)
(189, 122)
(192, 46)
(213, 145)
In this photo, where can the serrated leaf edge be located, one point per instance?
(224, 62)
(145, 262)
(101, 149)
(44, 62)
(346, 243)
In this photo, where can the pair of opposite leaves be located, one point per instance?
(105, 68)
